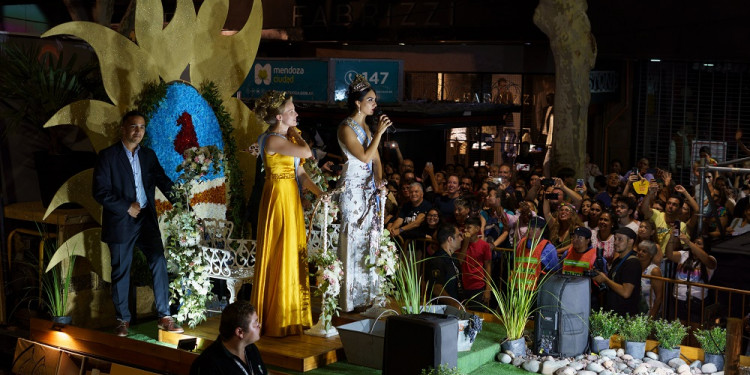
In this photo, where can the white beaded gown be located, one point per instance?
(358, 206)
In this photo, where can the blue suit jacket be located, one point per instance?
(114, 188)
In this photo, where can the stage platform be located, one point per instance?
(300, 353)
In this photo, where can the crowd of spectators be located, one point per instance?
(640, 219)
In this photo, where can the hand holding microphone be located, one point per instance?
(383, 121)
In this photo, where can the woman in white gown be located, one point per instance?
(358, 202)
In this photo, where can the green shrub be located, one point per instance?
(669, 334)
(636, 328)
(604, 323)
(713, 341)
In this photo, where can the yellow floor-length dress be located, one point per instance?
(281, 287)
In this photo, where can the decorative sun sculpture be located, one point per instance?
(183, 112)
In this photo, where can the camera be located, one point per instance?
(599, 266)
(676, 230)
(548, 181)
(551, 196)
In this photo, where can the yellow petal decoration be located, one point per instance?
(126, 68)
(100, 121)
(247, 128)
(225, 60)
(86, 244)
(171, 46)
(77, 189)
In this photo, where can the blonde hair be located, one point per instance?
(268, 106)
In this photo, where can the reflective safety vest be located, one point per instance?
(575, 263)
(528, 264)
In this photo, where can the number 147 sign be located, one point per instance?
(384, 76)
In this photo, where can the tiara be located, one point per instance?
(271, 100)
(359, 83)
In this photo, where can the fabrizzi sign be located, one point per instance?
(306, 80)
(326, 80)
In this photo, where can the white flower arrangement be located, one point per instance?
(191, 287)
(328, 278)
(384, 260)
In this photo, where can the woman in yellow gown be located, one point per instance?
(281, 288)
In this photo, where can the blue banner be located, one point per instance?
(384, 76)
(306, 80)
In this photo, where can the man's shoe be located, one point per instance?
(167, 324)
(122, 328)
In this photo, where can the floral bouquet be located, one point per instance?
(199, 162)
(329, 276)
(384, 261)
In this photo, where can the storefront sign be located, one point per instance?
(384, 76)
(603, 82)
(306, 80)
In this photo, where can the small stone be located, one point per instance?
(577, 366)
(642, 369)
(608, 363)
(606, 372)
(685, 373)
(510, 353)
(620, 352)
(718, 373)
(565, 371)
(595, 367)
(676, 362)
(611, 353)
(709, 368)
(652, 355)
(683, 368)
(660, 371)
(586, 372)
(550, 366)
(696, 364)
(627, 357)
(579, 357)
(531, 365)
(504, 358)
(621, 366)
(517, 361)
(634, 363)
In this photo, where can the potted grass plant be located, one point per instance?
(516, 302)
(603, 324)
(635, 331)
(408, 284)
(56, 285)
(713, 342)
(670, 335)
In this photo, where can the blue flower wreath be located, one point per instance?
(163, 128)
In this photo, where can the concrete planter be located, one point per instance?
(667, 354)
(517, 347)
(716, 359)
(635, 349)
(598, 344)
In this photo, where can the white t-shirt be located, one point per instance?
(738, 228)
(694, 277)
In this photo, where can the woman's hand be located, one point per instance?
(383, 123)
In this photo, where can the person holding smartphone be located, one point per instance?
(662, 220)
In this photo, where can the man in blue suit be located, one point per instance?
(125, 178)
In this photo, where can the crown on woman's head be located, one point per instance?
(359, 83)
(272, 99)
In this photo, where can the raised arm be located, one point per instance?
(645, 207)
(294, 145)
(349, 138)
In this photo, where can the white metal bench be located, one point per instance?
(228, 259)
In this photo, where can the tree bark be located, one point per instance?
(574, 48)
(103, 11)
(78, 10)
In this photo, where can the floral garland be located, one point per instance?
(192, 285)
(322, 180)
(384, 261)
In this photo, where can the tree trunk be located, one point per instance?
(574, 48)
(78, 10)
(103, 10)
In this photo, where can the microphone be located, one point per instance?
(376, 117)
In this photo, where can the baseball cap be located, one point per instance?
(583, 232)
(627, 232)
